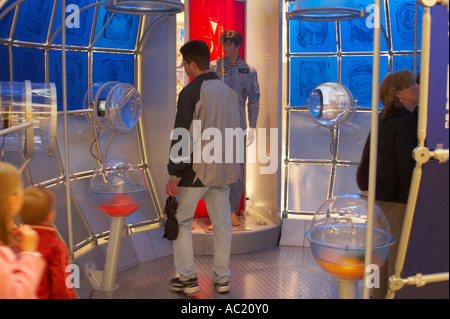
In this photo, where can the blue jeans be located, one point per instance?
(217, 203)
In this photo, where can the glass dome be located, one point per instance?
(118, 187)
(338, 236)
(117, 106)
(331, 105)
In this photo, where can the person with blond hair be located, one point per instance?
(21, 265)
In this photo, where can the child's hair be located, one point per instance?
(38, 203)
(10, 183)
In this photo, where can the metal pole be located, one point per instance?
(421, 135)
(66, 134)
(348, 289)
(112, 254)
(373, 141)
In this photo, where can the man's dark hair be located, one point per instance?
(196, 51)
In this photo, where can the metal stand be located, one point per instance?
(105, 280)
(348, 289)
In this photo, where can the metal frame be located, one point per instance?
(287, 160)
(66, 177)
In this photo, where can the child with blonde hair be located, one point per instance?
(38, 211)
(21, 266)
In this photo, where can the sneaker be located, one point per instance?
(222, 287)
(188, 287)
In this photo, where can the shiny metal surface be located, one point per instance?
(277, 273)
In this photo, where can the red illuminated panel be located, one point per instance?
(208, 19)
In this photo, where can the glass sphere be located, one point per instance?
(331, 105)
(338, 236)
(117, 106)
(118, 187)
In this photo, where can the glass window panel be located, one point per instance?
(345, 181)
(75, 35)
(402, 24)
(6, 22)
(357, 35)
(28, 64)
(77, 77)
(4, 63)
(308, 140)
(113, 67)
(311, 36)
(357, 76)
(402, 62)
(120, 32)
(308, 186)
(353, 137)
(34, 19)
(309, 72)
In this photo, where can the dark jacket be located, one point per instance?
(397, 138)
(213, 105)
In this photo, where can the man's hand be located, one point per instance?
(250, 136)
(172, 188)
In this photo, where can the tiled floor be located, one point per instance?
(277, 273)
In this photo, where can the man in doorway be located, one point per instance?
(243, 79)
(206, 104)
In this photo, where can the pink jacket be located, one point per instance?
(20, 274)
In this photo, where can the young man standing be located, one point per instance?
(205, 104)
(243, 79)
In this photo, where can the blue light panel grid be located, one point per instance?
(6, 22)
(28, 64)
(4, 64)
(120, 32)
(113, 67)
(356, 75)
(75, 34)
(402, 25)
(77, 77)
(307, 73)
(357, 35)
(34, 19)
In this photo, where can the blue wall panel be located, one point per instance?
(120, 32)
(77, 77)
(28, 64)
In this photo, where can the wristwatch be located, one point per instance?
(175, 178)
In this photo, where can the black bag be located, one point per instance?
(171, 229)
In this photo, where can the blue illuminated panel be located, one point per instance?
(402, 62)
(308, 36)
(28, 64)
(356, 75)
(120, 32)
(4, 63)
(307, 73)
(34, 19)
(113, 67)
(402, 25)
(357, 35)
(77, 77)
(6, 22)
(75, 34)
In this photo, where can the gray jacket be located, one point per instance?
(205, 103)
